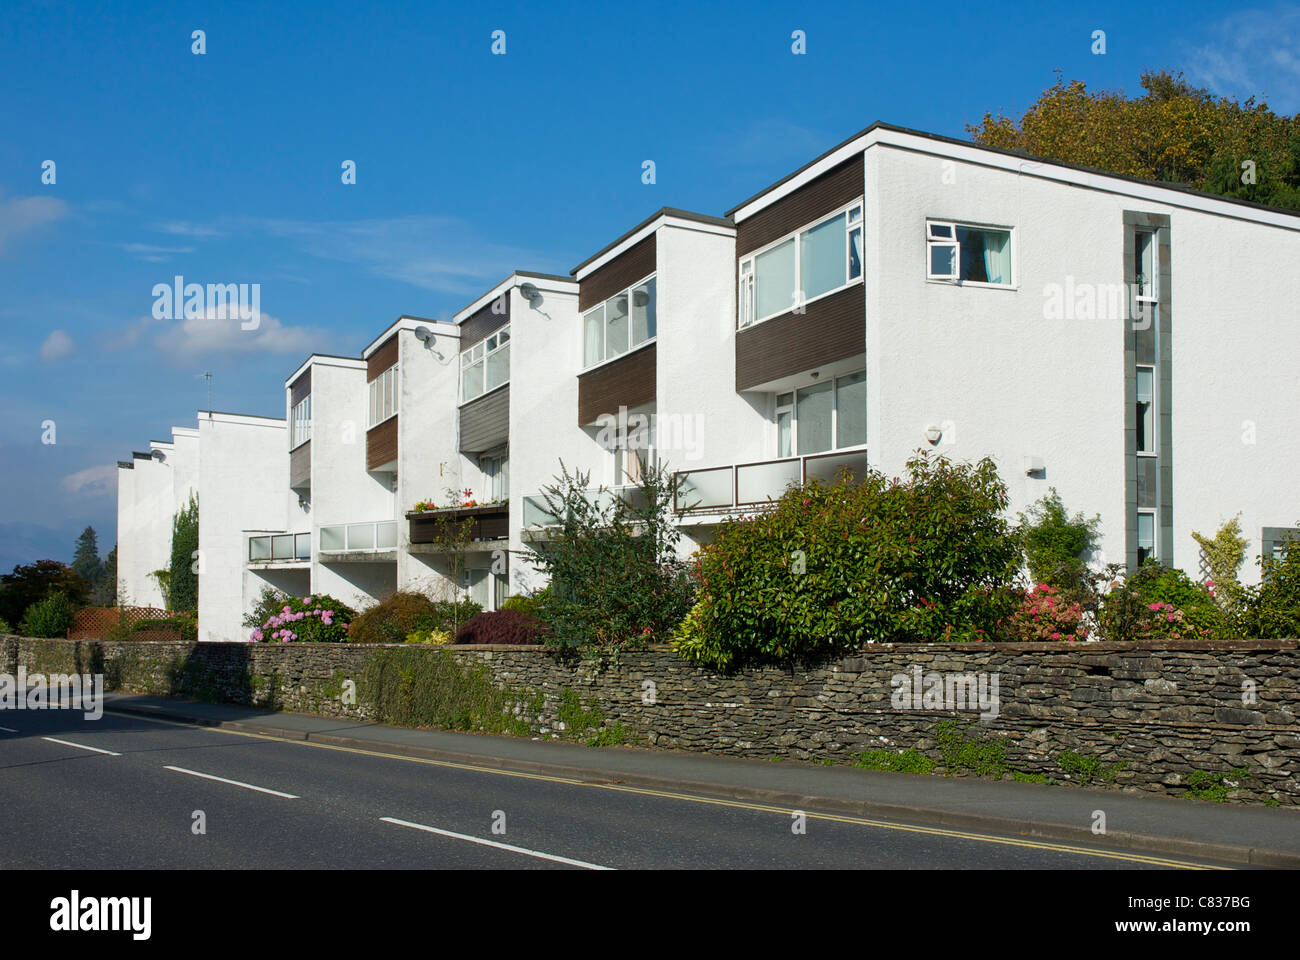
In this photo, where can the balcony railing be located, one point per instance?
(537, 515)
(487, 522)
(352, 537)
(279, 546)
(750, 485)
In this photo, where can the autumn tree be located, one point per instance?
(1174, 132)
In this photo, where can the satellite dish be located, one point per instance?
(529, 292)
(423, 334)
(158, 455)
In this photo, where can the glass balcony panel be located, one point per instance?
(827, 468)
(705, 488)
(333, 538)
(259, 548)
(759, 482)
(282, 547)
(302, 546)
(386, 535)
(361, 536)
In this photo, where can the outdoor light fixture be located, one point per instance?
(933, 433)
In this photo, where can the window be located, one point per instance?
(485, 366)
(626, 320)
(633, 452)
(1144, 265)
(496, 473)
(1145, 412)
(823, 416)
(383, 396)
(1146, 535)
(815, 261)
(301, 422)
(967, 254)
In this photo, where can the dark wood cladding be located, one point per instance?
(300, 389)
(483, 322)
(485, 422)
(633, 264)
(832, 189)
(626, 382)
(383, 358)
(381, 444)
(486, 523)
(300, 467)
(834, 327)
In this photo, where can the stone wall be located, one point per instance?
(1144, 716)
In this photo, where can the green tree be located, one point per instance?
(85, 562)
(1056, 544)
(1174, 132)
(105, 591)
(32, 582)
(183, 579)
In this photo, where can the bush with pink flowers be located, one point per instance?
(1046, 614)
(316, 619)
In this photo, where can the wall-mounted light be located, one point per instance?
(304, 503)
(1034, 465)
(933, 433)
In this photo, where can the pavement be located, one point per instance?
(1229, 833)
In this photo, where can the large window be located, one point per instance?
(1146, 536)
(967, 254)
(383, 396)
(496, 474)
(823, 416)
(486, 365)
(626, 320)
(301, 421)
(815, 261)
(1145, 268)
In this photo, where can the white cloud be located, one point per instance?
(131, 335)
(57, 346)
(153, 254)
(182, 228)
(1250, 54)
(211, 334)
(22, 214)
(92, 481)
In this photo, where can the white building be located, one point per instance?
(1125, 342)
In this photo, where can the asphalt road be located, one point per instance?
(269, 803)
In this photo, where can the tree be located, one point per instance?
(85, 562)
(33, 582)
(1056, 545)
(105, 591)
(183, 578)
(1176, 132)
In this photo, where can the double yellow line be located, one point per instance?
(1143, 858)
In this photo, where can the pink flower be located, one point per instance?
(1056, 636)
(306, 600)
(1154, 606)
(256, 637)
(1170, 617)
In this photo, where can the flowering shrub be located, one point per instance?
(1165, 621)
(315, 619)
(1157, 602)
(456, 499)
(1046, 614)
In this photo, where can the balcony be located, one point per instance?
(279, 547)
(358, 542)
(747, 487)
(537, 515)
(433, 531)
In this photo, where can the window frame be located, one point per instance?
(746, 270)
(482, 360)
(300, 425)
(1155, 534)
(793, 408)
(379, 388)
(1154, 295)
(954, 279)
(1153, 440)
(604, 340)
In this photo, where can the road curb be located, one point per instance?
(1040, 830)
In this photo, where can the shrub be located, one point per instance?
(435, 637)
(1271, 611)
(829, 568)
(1046, 614)
(616, 580)
(502, 626)
(1224, 555)
(4, 626)
(48, 618)
(36, 581)
(530, 604)
(405, 612)
(315, 619)
(184, 625)
(1159, 602)
(1054, 544)
(269, 603)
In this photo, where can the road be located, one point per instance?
(124, 792)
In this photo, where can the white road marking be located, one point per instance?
(8, 729)
(80, 746)
(494, 843)
(235, 783)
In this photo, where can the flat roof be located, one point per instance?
(661, 212)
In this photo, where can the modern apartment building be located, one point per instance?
(1128, 343)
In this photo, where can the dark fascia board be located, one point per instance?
(137, 455)
(126, 464)
(939, 138)
(661, 212)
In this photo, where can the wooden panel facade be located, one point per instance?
(383, 358)
(300, 467)
(633, 264)
(628, 382)
(381, 444)
(833, 328)
(484, 321)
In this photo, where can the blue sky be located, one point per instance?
(225, 168)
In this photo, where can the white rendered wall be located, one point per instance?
(144, 531)
(242, 471)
